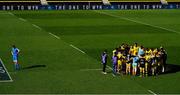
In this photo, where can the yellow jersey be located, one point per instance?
(155, 52)
(122, 48)
(113, 52)
(135, 50)
(149, 51)
(119, 55)
(131, 51)
(147, 57)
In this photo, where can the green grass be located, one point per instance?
(92, 32)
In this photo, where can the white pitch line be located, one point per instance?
(11, 13)
(37, 26)
(138, 22)
(113, 75)
(22, 19)
(77, 48)
(80, 51)
(152, 92)
(54, 35)
(6, 72)
(109, 67)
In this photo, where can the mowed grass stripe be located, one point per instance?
(36, 26)
(128, 19)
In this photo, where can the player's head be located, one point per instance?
(158, 49)
(147, 49)
(122, 44)
(105, 51)
(152, 49)
(13, 46)
(161, 48)
(116, 48)
(135, 44)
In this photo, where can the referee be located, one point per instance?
(104, 61)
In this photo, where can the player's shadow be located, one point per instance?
(34, 66)
(171, 68)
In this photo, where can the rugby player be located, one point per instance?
(104, 61)
(163, 55)
(134, 65)
(114, 61)
(128, 64)
(135, 49)
(142, 62)
(15, 53)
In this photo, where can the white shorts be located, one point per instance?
(15, 61)
(134, 64)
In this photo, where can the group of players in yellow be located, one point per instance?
(137, 60)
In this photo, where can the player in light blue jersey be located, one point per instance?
(15, 52)
(141, 51)
(135, 64)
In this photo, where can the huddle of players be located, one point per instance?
(137, 60)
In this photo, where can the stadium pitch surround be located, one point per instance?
(86, 4)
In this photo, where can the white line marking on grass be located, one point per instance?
(152, 92)
(80, 51)
(57, 37)
(37, 26)
(109, 67)
(22, 19)
(6, 72)
(11, 13)
(138, 22)
(77, 48)
(113, 75)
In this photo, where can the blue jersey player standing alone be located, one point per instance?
(15, 52)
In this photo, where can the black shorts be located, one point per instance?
(142, 65)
